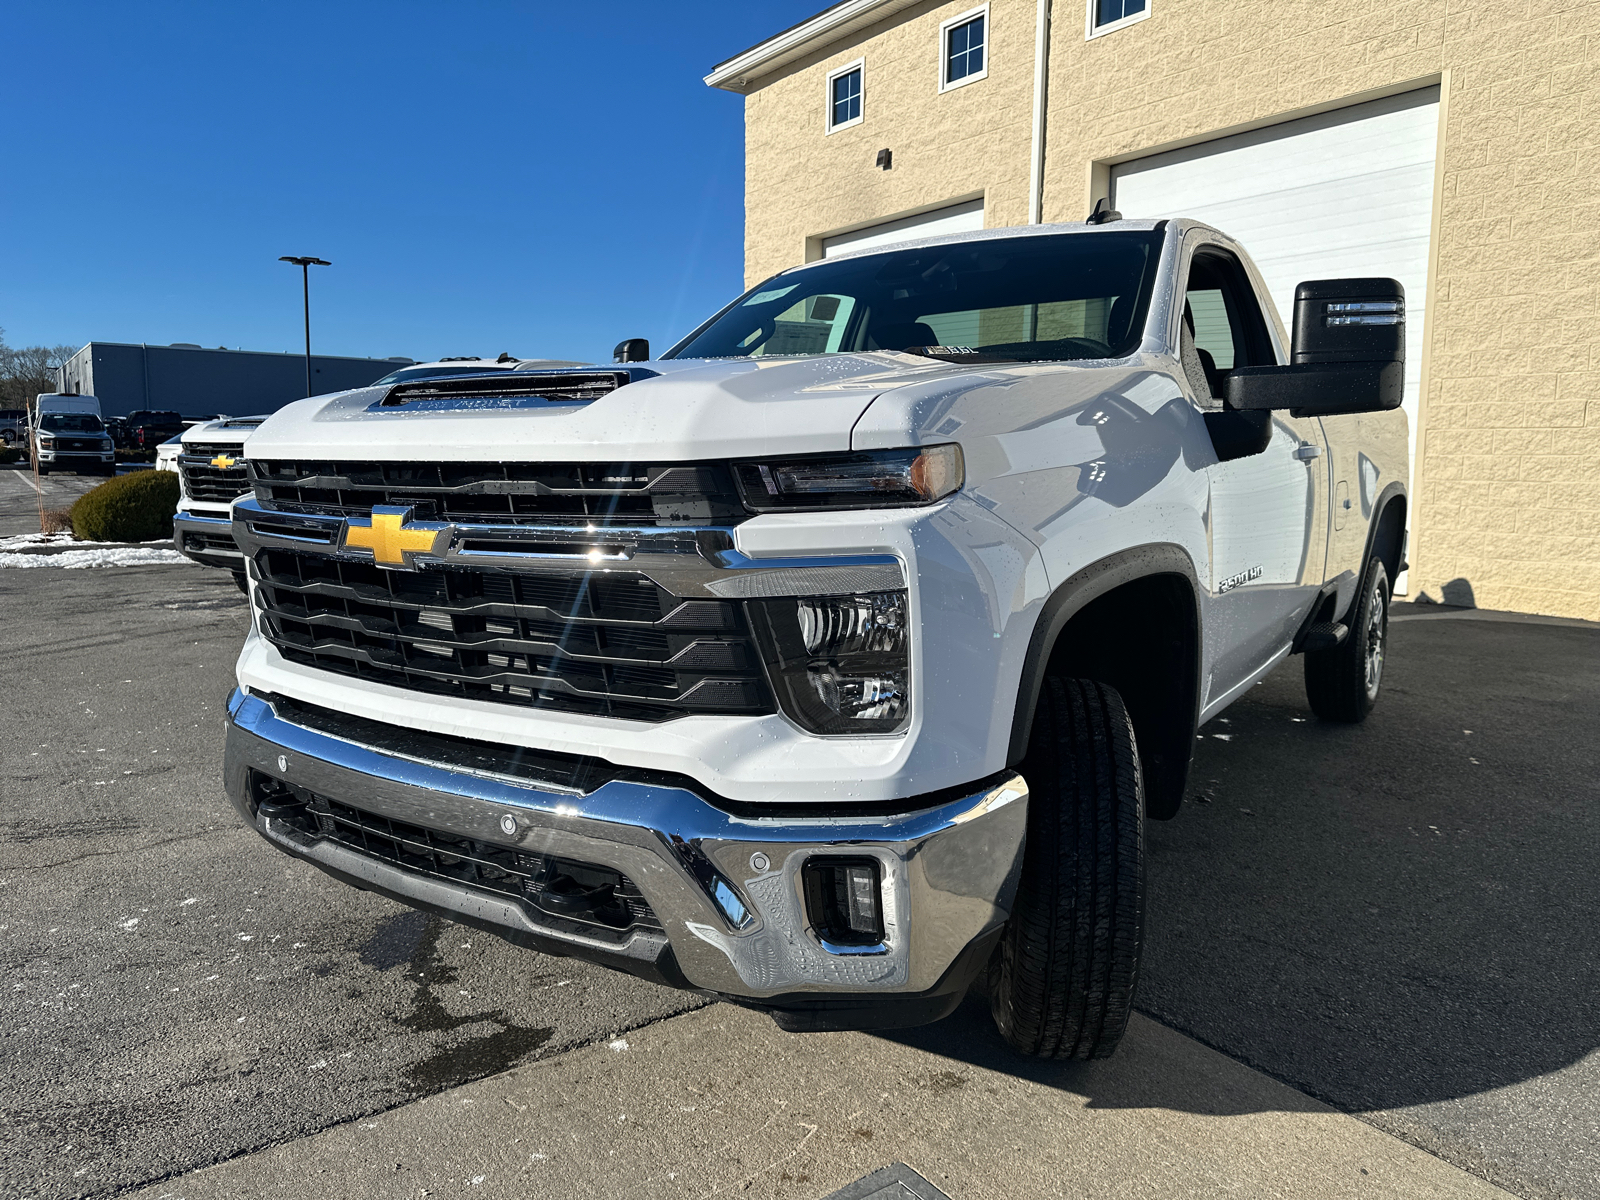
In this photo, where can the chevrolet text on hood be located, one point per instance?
(830, 662)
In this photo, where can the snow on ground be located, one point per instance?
(24, 540)
(119, 556)
(56, 544)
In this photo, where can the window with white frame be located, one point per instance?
(1105, 16)
(964, 48)
(845, 96)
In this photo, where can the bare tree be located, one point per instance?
(26, 371)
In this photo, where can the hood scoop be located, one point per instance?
(507, 389)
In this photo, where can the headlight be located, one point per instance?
(46, 439)
(865, 479)
(840, 664)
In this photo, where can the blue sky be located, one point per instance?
(539, 178)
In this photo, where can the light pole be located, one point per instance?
(305, 264)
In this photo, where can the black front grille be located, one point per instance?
(205, 482)
(506, 493)
(557, 892)
(609, 644)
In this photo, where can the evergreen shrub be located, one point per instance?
(129, 508)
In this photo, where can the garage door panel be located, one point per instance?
(1396, 132)
(957, 218)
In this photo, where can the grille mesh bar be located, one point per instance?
(609, 644)
(205, 482)
(527, 878)
(505, 493)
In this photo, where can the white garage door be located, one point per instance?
(958, 218)
(1345, 193)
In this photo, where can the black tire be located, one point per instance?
(1063, 978)
(1343, 683)
(44, 470)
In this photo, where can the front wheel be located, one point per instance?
(1064, 975)
(1342, 682)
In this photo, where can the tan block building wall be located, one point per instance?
(969, 142)
(1506, 494)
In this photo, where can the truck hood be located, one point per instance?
(687, 409)
(229, 429)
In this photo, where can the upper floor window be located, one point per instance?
(964, 48)
(844, 96)
(1107, 15)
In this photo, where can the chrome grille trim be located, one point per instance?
(693, 562)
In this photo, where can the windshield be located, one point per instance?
(1018, 299)
(432, 373)
(71, 423)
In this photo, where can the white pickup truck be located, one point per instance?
(829, 663)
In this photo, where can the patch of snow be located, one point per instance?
(122, 556)
(128, 924)
(52, 543)
(619, 1045)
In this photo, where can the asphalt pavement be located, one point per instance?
(1391, 921)
(21, 496)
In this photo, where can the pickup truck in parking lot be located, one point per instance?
(211, 475)
(830, 662)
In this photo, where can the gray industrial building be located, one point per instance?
(196, 382)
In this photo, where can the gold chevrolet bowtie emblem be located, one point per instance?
(389, 538)
(222, 462)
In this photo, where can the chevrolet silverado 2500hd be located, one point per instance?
(829, 663)
(211, 475)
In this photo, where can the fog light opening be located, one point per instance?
(844, 900)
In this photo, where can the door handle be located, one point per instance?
(1308, 452)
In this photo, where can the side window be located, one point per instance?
(963, 48)
(1222, 323)
(1213, 332)
(1107, 16)
(845, 96)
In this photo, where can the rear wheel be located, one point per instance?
(1342, 683)
(1063, 978)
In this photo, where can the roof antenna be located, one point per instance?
(507, 356)
(1102, 213)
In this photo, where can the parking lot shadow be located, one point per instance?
(1382, 915)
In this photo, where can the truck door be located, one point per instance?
(1268, 526)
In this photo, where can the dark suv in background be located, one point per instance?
(147, 428)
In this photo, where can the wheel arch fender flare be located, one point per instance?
(1071, 597)
(1395, 491)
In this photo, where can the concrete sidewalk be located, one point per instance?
(719, 1102)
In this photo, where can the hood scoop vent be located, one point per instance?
(506, 389)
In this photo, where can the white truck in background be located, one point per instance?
(66, 433)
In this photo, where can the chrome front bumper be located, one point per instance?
(726, 888)
(187, 530)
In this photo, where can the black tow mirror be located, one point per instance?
(1348, 354)
(632, 350)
